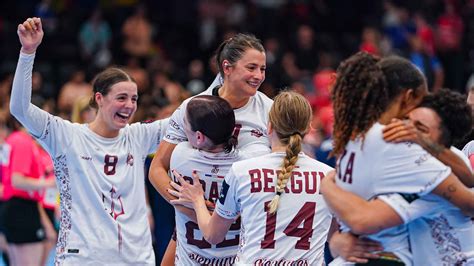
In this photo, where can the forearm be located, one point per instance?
(347, 206)
(203, 219)
(449, 158)
(27, 183)
(20, 101)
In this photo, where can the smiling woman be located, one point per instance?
(99, 166)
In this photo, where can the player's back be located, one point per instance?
(298, 230)
(192, 248)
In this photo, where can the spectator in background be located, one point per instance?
(76, 87)
(427, 63)
(137, 33)
(95, 36)
(82, 112)
(370, 41)
(195, 80)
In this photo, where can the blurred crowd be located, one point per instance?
(168, 47)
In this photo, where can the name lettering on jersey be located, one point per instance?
(345, 175)
(256, 133)
(213, 194)
(265, 179)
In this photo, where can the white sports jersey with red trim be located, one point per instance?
(251, 123)
(103, 208)
(439, 233)
(192, 248)
(372, 167)
(297, 232)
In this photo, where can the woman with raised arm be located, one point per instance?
(99, 167)
(284, 218)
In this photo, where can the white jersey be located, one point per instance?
(468, 150)
(297, 232)
(251, 122)
(192, 248)
(101, 182)
(373, 167)
(443, 235)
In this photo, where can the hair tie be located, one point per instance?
(279, 193)
(297, 133)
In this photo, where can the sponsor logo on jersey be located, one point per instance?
(174, 125)
(87, 158)
(130, 159)
(256, 133)
(169, 137)
(423, 158)
(212, 261)
(265, 261)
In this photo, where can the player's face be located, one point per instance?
(427, 122)
(119, 105)
(248, 73)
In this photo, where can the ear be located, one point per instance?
(226, 65)
(200, 139)
(269, 128)
(408, 100)
(99, 98)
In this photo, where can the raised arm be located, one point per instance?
(30, 34)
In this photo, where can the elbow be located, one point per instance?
(214, 239)
(362, 225)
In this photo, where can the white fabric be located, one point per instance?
(302, 211)
(443, 235)
(373, 167)
(468, 150)
(192, 248)
(101, 182)
(253, 118)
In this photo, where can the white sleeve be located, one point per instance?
(150, 134)
(175, 130)
(228, 206)
(30, 116)
(407, 168)
(409, 207)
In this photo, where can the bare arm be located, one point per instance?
(356, 212)
(455, 192)
(159, 178)
(29, 183)
(399, 131)
(214, 228)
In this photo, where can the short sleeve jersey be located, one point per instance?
(468, 150)
(251, 123)
(297, 232)
(439, 232)
(192, 248)
(25, 160)
(372, 167)
(100, 180)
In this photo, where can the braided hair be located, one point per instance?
(289, 116)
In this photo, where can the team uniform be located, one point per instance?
(468, 150)
(372, 167)
(100, 180)
(192, 248)
(22, 218)
(297, 232)
(443, 235)
(250, 123)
